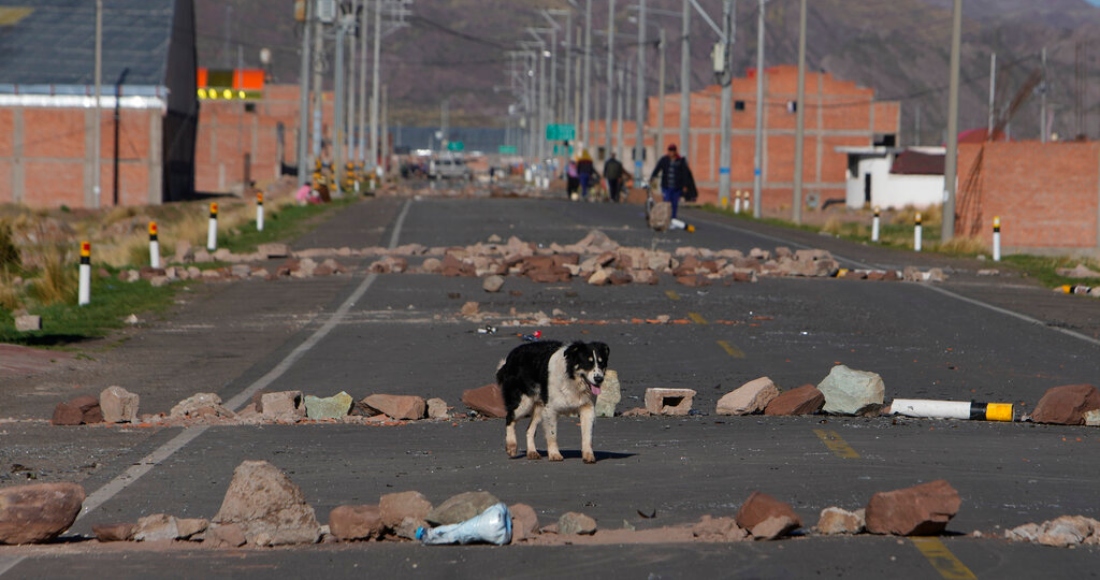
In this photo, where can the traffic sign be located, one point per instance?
(456, 146)
(507, 150)
(561, 132)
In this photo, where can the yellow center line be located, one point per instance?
(731, 350)
(949, 567)
(836, 444)
(672, 295)
(697, 318)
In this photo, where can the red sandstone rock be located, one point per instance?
(804, 400)
(921, 510)
(1066, 405)
(487, 400)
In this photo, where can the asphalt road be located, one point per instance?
(973, 337)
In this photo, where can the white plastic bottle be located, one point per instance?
(492, 526)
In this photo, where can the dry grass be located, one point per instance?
(11, 298)
(57, 281)
(964, 246)
(930, 216)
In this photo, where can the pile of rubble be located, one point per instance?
(116, 405)
(263, 507)
(595, 259)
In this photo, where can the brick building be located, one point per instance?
(1046, 194)
(837, 114)
(147, 113)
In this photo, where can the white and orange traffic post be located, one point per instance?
(260, 210)
(917, 234)
(84, 294)
(875, 225)
(154, 246)
(212, 231)
(996, 238)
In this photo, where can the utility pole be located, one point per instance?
(951, 160)
(318, 86)
(587, 105)
(610, 72)
(349, 117)
(758, 149)
(364, 20)
(1043, 129)
(660, 94)
(384, 144)
(375, 87)
(992, 95)
(622, 107)
(800, 113)
(303, 95)
(685, 80)
(338, 108)
(725, 78)
(97, 122)
(639, 103)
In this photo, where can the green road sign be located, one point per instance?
(507, 150)
(561, 132)
(455, 146)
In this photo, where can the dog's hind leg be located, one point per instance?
(588, 417)
(536, 416)
(510, 436)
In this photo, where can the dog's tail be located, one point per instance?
(500, 366)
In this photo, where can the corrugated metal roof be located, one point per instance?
(52, 42)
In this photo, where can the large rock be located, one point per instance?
(1066, 405)
(611, 393)
(576, 524)
(200, 405)
(487, 400)
(36, 513)
(751, 397)
(356, 522)
(525, 522)
(399, 407)
(461, 507)
(83, 410)
(438, 409)
(334, 407)
(1060, 532)
(119, 405)
(396, 507)
(156, 528)
(672, 402)
(804, 400)
(282, 406)
(921, 510)
(270, 508)
(848, 391)
(761, 507)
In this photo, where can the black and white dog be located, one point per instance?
(546, 379)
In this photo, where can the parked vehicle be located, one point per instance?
(448, 167)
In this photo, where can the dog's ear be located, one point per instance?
(602, 350)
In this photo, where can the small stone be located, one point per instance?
(774, 527)
(282, 406)
(156, 528)
(493, 283)
(835, 521)
(461, 507)
(398, 407)
(119, 405)
(28, 323)
(573, 523)
(356, 522)
(751, 397)
(525, 522)
(487, 400)
(760, 507)
(1066, 404)
(710, 529)
(610, 394)
(396, 507)
(438, 409)
(225, 536)
(113, 532)
(921, 510)
(804, 400)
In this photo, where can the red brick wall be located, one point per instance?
(1045, 194)
(53, 152)
(227, 131)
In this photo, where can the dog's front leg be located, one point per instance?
(588, 417)
(536, 416)
(550, 429)
(510, 437)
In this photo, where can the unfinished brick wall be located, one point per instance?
(1047, 195)
(46, 156)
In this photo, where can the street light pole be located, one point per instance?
(660, 94)
(685, 80)
(364, 20)
(951, 160)
(726, 80)
(800, 113)
(97, 123)
(303, 96)
(758, 151)
(639, 103)
(610, 73)
(375, 87)
(587, 105)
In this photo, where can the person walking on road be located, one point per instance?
(613, 171)
(586, 172)
(676, 177)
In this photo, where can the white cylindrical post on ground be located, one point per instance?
(972, 410)
(154, 246)
(917, 234)
(737, 202)
(84, 295)
(996, 238)
(875, 226)
(212, 231)
(260, 210)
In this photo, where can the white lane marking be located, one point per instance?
(974, 301)
(128, 477)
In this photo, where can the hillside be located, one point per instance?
(457, 49)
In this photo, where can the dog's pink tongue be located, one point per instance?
(595, 390)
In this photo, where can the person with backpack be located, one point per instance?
(676, 178)
(586, 173)
(613, 171)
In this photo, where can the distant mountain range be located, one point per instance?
(457, 49)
